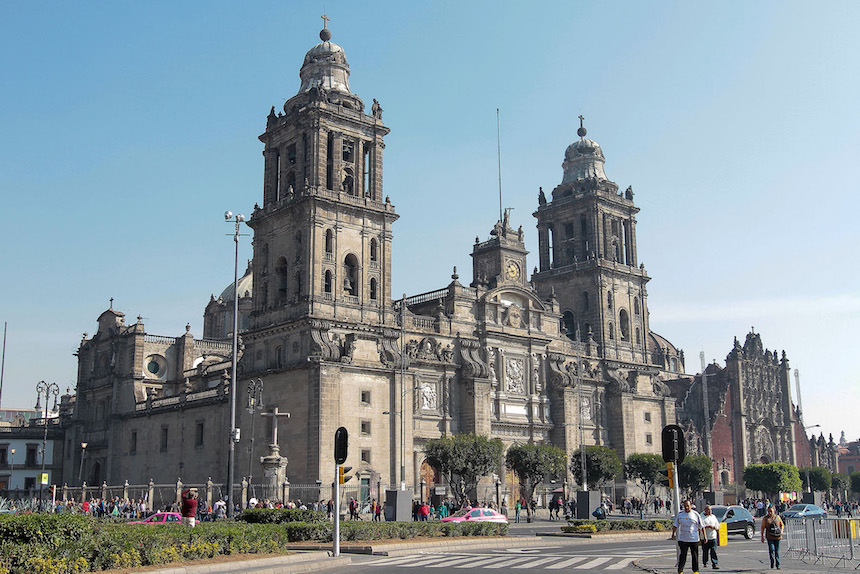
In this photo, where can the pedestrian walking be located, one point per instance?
(689, 529)
(709, 547)
(771, 530)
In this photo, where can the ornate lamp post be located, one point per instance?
(83, 455)
(255, 403)
(234, 432)
(47, 389)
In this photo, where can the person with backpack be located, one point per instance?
(771, 529)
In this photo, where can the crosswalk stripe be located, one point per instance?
(593, 563)
(621, 564)
(507, 562)
(485, 562)
(537, 562)
(451, 562)
(566, 563)
(392, 561)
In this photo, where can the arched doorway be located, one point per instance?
(429, 477)
(96, 474)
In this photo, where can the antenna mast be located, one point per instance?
(499, 142)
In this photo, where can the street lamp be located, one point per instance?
(808, 482)
(234, 432)
(47, 389)
(83, 455)
(255, 403)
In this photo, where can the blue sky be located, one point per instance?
(129, 128)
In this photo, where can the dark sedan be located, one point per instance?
(738, 520)
(805, 511)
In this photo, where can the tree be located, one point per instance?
(644, 469)
(463, 460)
(772, 478)
(694, 474)
(854, 478)
(818, 476)
(601, 465)
(533, 463)
(839, 483)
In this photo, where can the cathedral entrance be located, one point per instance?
(429, 477)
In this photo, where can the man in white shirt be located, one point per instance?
(689, 528)
(709, 549)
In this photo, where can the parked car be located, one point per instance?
(161, 518)
(805, 511)
(476, 515)
(738, 520)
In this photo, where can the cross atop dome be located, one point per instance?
(581, 131)
(325, 33)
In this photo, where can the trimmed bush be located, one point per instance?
(280, 515)
(659, 525)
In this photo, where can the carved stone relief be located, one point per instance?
(429, 398)
(515, 376)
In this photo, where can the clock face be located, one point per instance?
(512, 270)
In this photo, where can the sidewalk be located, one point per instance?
(752, 561)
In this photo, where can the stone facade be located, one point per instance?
(536, 359)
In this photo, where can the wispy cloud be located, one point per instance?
(760, 308)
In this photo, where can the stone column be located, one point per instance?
(275, 471)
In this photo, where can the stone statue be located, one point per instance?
(541, 196)
(376, 109)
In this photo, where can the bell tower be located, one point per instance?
(322, 238)
(587, 253)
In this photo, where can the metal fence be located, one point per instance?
(829, 541)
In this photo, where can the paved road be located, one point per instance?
(549, 557)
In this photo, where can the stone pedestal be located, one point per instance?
(275, 472)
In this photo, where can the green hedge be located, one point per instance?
(280, 516)
(72, 544)
(615, 525)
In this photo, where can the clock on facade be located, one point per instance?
(512, 271)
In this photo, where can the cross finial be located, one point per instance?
(325, 21)
(581, 119)
(111, 302)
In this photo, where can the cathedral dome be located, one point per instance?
(583, 159)
(246, 286)
(325, 66)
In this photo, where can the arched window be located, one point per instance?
(374, 250)
(624, 325)
(350, 275)
(279, 356)
(348, 184)
(638, 338)
(327, 282)
(281, 271)
(291, 183)
(584, 301)
(611, 332)
(609, 299)
(298, 283)
(673, 365)
(636, 305)
(568, 325)
(329, 241)
(373, 289)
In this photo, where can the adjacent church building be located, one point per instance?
(563, 353)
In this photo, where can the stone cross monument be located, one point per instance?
(274, 465)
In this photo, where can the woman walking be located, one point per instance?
(771, 529)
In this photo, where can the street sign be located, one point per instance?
(43, 479)
(341, 445)
(674, 446)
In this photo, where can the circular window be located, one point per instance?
(154, 366)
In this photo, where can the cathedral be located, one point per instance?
(565, 356)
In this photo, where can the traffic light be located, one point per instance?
(341, 445)
(341, 474)
(51, 489)
(674, 446)
(669, 473)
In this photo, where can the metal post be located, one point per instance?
(234, 432)
(83, 455)
(335, 538)
(402, 394)
(48, 389)
(255, 403)
(583, 469)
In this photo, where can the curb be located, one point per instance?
(273, 565)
